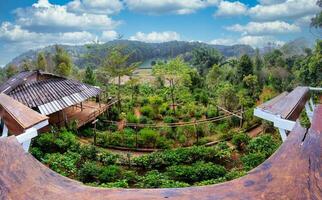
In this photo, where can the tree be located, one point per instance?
(116, 65)
(176, 72)
(89, 77)
(26, 65)
(244, 67)
(11, 70)
(252, 85)
(204, 58)
(317, 20)
(258, 61)
(41, 62)
(227, 96)
(63, 62)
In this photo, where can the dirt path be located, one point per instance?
(114, 151)
(255, 131)
(137, 112)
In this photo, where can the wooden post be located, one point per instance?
(196, 132)
(94, 130)
(241, 117)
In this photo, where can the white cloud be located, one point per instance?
(288, 9)
(259, 41)
(304, 21)
(270, 2)
(109, 35)
(156, 36)
(227, 8)
(44, 15)
(95, 6)
(169, 6)
(223, 41)
(254, 41)
(259, 28)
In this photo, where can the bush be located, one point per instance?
(161, 160)
(252, 160)
(36, 152)
(264, 144)
(118, 184)
(147, 111)
(197, 172)
(89, 172)
(145, 120)
(88, 132)
(169, 119)
(61, 142)
(88, 152)
(108, 158)
(148, 137)
(110, 174)
(65, 164)
(241, 140)
(131, 118)
(212, 112)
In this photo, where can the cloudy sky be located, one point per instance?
(32, 24)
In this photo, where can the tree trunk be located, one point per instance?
(172, 96)
(119, 93)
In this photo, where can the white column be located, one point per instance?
(5, 131)
(309, 111)
(25, 138)
(283, 134)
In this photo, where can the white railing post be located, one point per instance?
(25, 138)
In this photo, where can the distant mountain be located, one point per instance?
(140, 51)
(295, 47)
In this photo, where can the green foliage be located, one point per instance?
(169, 119)
(131, 118)
(41, 61)
(226, 96)
(252, 160)
(244, 67)
(63, 62)
(264, 144)
(110, 174)
(49, 142)
(89, 77)
(148, 137)
(196, 172)
(240, 140)
(89, 172)
(154, 179)
(203, 59)
(147, 111)
(65, 164)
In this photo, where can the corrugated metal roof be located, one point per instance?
(49, 93)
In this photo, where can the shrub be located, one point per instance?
(163, 143)
(88, 152)
(155, 179)
(108, 158)
(131, 118)
(88, 132)
(264, 144)
(118, 184)
(240, 140)
(252, 160)
(211, 181)
(110, 173)
(89, 172)
(147, 111)
(212, 112)
(36, 152)
(196, 172)
(148, 137)
(233, 174)
(169, 119)
(61, 142)
(65, 164)
(145, 120)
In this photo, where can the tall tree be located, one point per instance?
(317, 20)
(176, 72)
(244, 67)
(204, 58)
(41, 61)
(11, 70)
(63, 62)
(116, 65)
(258, 61)
(89, 76)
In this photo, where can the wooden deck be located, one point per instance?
(83, 115)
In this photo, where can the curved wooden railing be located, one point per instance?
(293, 172)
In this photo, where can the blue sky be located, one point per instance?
(32, 24)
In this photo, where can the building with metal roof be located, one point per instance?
(50, 94)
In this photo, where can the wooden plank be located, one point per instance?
(293, 172)
(17, 116)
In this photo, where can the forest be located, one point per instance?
(192, 120)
